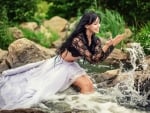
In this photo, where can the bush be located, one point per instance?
(19, 10)
(42, 9)
(40, 37)
(143, 37)
(5, 36)
(67, 8)
(135, 12)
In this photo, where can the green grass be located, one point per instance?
(143, 37)
(40, 37)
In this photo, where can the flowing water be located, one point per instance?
(122, 98)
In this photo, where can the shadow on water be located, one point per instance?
(96, 68)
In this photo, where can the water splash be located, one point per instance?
(126, 92)
(89, 103)
(137, 56)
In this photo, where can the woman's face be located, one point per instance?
(94, 27)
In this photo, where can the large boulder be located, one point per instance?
(29, 25)
(23, 51)
(3, 63)
(57, 24)
(116, 57)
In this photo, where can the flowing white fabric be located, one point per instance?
(27, 85)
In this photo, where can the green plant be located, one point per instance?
(67, 8)
(54, 36)
(5, 36)
(40, 37)
(143, 37)
(19, 10)
(42, 9)
(135, 12)
(111, 22)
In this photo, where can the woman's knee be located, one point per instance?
(85, 84)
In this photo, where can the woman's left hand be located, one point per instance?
(127, 33)
(109, 42)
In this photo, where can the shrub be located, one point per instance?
(19, 10)
(143, 37)
(67, 8)
(42, 9)
(135, 12)
(5, 36)
(40, 37)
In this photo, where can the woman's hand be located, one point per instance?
(107, 45)
(127, 33)
(109, 42)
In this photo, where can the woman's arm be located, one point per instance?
(122, 36)
(117, 39)
(101, 53)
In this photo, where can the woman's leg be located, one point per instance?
(85, 84)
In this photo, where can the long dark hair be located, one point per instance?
(87, 19)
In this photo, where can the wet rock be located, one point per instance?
(107, 79)
(57, 24)
(116, 57)
(3, 63)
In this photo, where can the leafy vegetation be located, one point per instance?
(41, 12)
(19, 10)
(5, 36)
(143, 37)
(40, 37)
(135, 12)
(68, 8)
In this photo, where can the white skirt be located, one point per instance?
(27, 85)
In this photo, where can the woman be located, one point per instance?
(27, 85)
(83, 43)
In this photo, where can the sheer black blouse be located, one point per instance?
(93, 53)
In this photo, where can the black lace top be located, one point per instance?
(92, 53)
